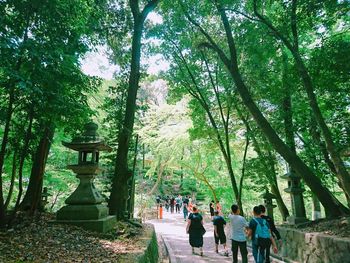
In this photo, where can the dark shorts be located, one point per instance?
(212, 212)
(221, 238)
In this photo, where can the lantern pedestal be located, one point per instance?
(296, 192)
(84, 206)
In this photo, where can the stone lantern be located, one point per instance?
(44, 199)
(84, 206)
(296, 192)
(268, 202)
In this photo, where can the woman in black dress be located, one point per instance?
(196, 230)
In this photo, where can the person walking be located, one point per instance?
(185, 210)
(238, 227)
(260, 233)
(195, 230)
(167, 204)
(211, 209)
(218, 207)
(273, 229)
(172, 204)
(219, 232)
(177, 204)
(186, 200)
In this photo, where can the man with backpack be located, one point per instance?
(276, 235)
(260, 233)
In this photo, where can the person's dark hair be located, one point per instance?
(217, 201)
(257, 210)
(194, 209)
(212, 201)
(234, 208)
(262, 208)
(216, 212)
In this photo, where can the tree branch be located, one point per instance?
(212, 44)
(272, 28)
(148, 8)
(242, 14)
(294, 24)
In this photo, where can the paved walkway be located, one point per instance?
(172, 228)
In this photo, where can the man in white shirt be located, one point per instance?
(238, 236)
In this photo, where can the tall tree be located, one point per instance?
(117, 201)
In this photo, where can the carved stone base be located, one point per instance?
(102, 225)
(292, 220)
(82, 212)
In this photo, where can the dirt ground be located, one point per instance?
(335, 227)
(41, 241)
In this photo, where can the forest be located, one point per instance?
(244, 93)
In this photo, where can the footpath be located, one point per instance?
(172, 229)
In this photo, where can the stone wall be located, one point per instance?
(313, 247)
(149, 251)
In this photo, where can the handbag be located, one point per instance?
(203, 230)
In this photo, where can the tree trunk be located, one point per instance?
(288, 119)
(270, 171)
(316, 137)
(131, 201)
(55, 200)
(205, 180)
(32, 198)
(13, 176)
(2, 155)
(342, 173)
(23, 156)
(4, 142)
(117, 201)
(159, 178)
(243, 169)
(280, 203)
(331, 204)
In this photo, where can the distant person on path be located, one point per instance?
(158, 200)
(172, 204)
(273, 229)
(211, 209)
(259, 231)
(186, 200)
(160, 211)
(185, 210)
(218, 207)
(219, 232)
(167, 204)
(238, 227)
(196, 230)
(177, 205)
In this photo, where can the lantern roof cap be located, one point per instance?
(268, 195)
(88, 140)
(290, 175)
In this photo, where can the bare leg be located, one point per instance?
(226, 251)
(201, 251)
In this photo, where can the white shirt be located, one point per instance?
(238, 224)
